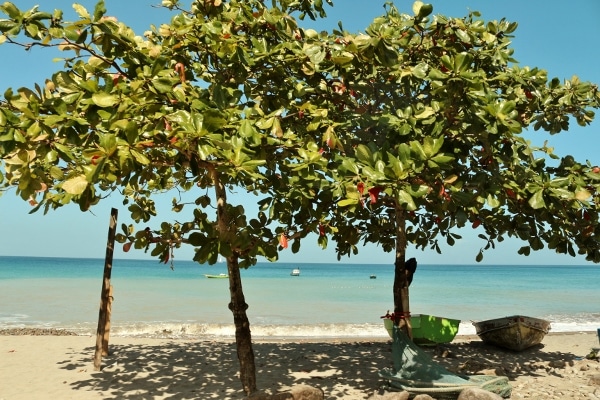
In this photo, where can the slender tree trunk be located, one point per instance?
(243, 337)
(237, 305)
(401, 295)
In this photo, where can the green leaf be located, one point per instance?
(83, 13)
(246, 129)
(420, 70)
(416, 7)
(103, 99)
(5, 26)
(404, 197)
(347, 202)
(583, 195)
(196, 239)
(183, 119)
(11, 10)
(424, 10)
(462, 62)
(349, 165)
(164, 85)
(442, 159)
(108, 142)
(431, 146)
(479, 256)
(342, 59)
(492, 201)
(363, 153)
(139, 157)
(75, 185)
(537, 200)
(560, 182)
(418, 150)
(524, 251)
(99, 10)
(252, 164)
(214, 120)
(265, 123)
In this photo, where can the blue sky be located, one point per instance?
(559, 36)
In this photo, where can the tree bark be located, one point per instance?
(401, 294)
(243, 337)
(237, 305)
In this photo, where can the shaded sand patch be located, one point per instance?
(60, 367)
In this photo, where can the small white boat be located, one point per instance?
(295, 272)
(220, 276)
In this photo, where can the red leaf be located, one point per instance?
(283, 241)
(361, 188)
(330, 142)
(321, 230)
(374, 194)
(180, 69)
(127, 246)
(116, 78)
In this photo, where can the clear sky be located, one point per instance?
(559, 36)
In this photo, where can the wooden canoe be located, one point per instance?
(517, 332)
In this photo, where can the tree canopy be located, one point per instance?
(403, 133)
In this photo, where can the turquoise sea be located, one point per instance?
(326, 300)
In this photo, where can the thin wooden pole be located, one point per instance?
(107, 322)
(105, 295)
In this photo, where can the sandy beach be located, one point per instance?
(60, 367)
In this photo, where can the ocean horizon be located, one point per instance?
(326, 301)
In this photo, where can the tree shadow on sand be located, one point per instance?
(209, 370)
(476, 357)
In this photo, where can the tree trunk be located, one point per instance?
(401, 295)
(243, 337)
(237, 305)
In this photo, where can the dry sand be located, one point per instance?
(60, 367)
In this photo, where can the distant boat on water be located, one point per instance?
(219, 276)
(295, 272)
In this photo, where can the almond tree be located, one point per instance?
(212, 102)
(402, 134)
(427, 117)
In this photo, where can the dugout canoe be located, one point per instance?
(516, 332)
